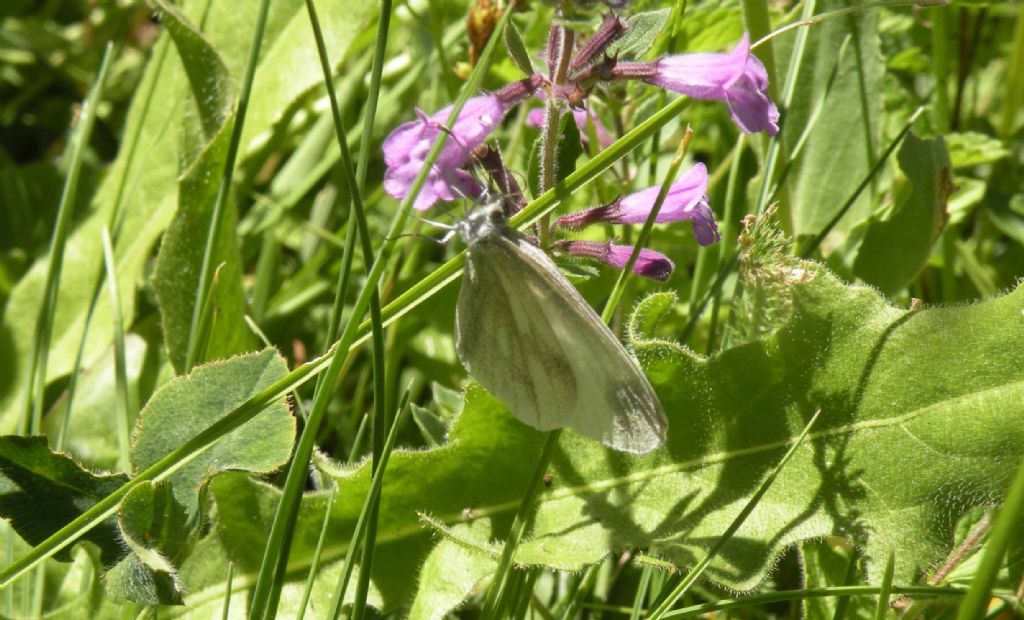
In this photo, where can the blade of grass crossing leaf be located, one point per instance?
(496, 599)
(809, 249)
(163, 468)
(1004, 530)
(755, 499)
(32, 422)
(372, 497)
(225, 612)
(314, 567)
(270, 580)
(882, 609)
(843, 601)
(224, 190)
(645, 232)
(121, 408)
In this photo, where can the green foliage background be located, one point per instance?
(902, 328)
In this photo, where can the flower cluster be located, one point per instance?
(737, 77)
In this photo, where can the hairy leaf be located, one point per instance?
(153, 526)
(42, 491)
(913, 432)
(641, 30)
(187, 405)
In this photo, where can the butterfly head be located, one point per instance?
(486, 221)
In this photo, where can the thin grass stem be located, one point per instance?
(40, 352)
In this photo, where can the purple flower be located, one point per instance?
(406, 148)
(737, 77)
(686, 200)
(649, 264)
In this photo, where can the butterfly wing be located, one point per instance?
(525, 333)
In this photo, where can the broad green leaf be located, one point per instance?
(181, 253)
(451, 572)
(641, 30)
(42, 491)
(915, 430)
(187, 405)
(896, 248)
(154, 528)
(846, 140)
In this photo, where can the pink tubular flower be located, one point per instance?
(406, 148)
(737, 77)
(686, 200)
(649, 264)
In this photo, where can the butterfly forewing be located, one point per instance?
(530, 339)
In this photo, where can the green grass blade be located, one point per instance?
(372, 497)
(315, 565)
(882, 609)
(122, 410)
(270, 580)
(32, 423)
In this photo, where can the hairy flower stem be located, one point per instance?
(552, 117)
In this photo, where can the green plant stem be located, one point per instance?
(314, 567)
(495, 599)
(684, 585)
(33, 420)
(203, 288)
(1005, 529)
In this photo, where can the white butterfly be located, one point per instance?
(525, 333)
